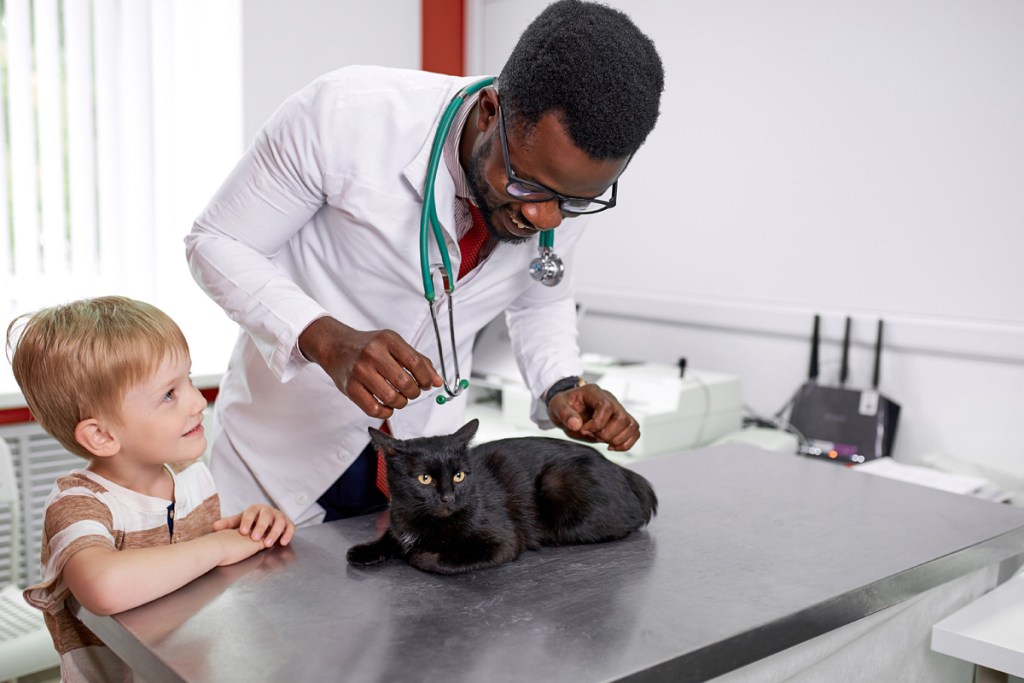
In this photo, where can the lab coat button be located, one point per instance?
(301, 498)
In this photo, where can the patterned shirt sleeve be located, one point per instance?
(76, 518)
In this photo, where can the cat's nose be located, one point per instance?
(448, 498)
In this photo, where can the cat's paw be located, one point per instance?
(435, 563)
(428, 562)
(366, 554)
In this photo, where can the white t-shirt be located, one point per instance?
(85, 510)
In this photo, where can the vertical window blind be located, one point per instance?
(118, 120)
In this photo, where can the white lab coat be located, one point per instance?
(321, 217)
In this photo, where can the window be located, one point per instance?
(118, 121)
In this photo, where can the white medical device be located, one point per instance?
(674, 413)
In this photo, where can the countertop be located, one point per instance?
(751, 553)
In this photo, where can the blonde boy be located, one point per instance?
(109, 379)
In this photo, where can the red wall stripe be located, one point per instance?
(11, 416)
(443, 36)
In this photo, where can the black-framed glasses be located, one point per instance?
(529, 191)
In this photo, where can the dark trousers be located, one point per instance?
(355, 492)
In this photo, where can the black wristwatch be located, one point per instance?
(561, 385)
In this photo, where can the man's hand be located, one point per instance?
(378, 370)
(589, 413)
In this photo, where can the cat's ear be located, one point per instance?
(381, 440)
(468, 431)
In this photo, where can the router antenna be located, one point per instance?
(812, 374)
(844, 370)
(878, 356)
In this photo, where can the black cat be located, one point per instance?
(456, 508)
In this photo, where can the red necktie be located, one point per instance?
(382, 468)
(473, 241)
(469, 246)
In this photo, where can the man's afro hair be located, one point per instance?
(593, 67)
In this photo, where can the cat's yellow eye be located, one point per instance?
(425, 478)
(459, 476)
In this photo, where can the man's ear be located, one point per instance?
(487, 109)
(96, 439)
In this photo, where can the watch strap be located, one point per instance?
(561, 385)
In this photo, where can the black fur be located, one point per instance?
(516, 494)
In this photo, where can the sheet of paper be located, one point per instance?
(925, 476)
(648, 395)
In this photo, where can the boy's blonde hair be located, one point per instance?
(78, 360)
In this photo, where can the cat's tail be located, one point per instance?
(644, 493)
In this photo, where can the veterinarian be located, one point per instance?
(312, 246)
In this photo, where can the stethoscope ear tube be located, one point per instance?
(460, 383)
(429, 222)
(547, 268)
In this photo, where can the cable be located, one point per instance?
(775, 422)
(707, 407)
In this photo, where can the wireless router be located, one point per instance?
(842, 424)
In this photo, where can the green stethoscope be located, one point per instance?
(547, 268)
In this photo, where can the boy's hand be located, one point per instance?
(260, 523)
(234, 547)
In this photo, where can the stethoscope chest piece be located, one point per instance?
(547, 268)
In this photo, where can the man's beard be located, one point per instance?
(476, 181)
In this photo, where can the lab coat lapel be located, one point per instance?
(416, 172)
(444, 186)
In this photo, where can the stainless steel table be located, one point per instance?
(751, 553)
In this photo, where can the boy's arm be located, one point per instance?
(106, 581)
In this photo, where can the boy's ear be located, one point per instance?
(95, 438)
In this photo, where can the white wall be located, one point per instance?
(288, 44)
(862, 159)
(284, 46)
